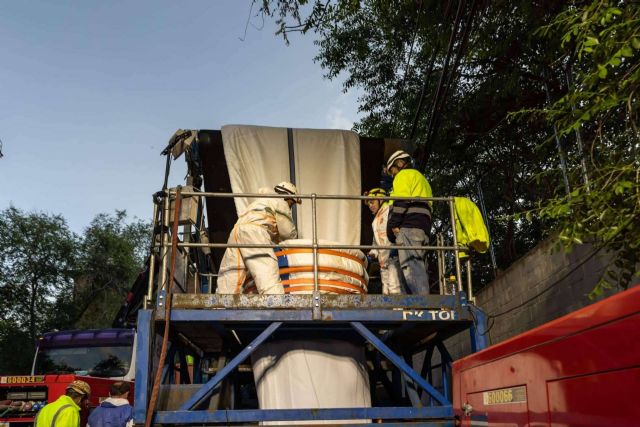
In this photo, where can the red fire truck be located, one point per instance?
(582, 369)
(98, 356)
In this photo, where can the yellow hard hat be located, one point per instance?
(374, 192)
(80, 387)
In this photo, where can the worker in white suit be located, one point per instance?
(265, 221)
(390, 272)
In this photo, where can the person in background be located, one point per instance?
(410, 220)
(265, 221)
(390, 274)
(65, 411)
(115, 411)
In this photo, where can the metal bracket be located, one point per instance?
(317, 306)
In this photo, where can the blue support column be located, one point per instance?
(445, 365)
(168, 370)
(143, 363)
(197, 369)
(478, 331)
(426, 371)
(399, 362)
(185, 378)
(207, 388)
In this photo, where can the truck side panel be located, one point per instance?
(582, 369)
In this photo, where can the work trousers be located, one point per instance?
(390, 275)
(260, 263)
(412, 261)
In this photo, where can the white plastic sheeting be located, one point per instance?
(325, 162)
(304, 373)
(328, 162)
(314, 373)
(257, 157)
(311, 374)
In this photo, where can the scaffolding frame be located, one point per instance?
(427, 320)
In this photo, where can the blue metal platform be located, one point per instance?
(397, 327)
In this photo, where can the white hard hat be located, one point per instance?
(286, 187)
(400, 154)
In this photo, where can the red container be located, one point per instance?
(582, 369)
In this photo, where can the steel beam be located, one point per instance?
(251, 415)
(207, 388)
(143, 363)
(399, 362)
(327, 315)
(289, 301)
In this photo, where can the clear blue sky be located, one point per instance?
(90, 93)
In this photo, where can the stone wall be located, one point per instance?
(545, 284)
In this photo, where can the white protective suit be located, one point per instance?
(265, 221)
(390, 272)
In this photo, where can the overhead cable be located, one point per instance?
(436, 97)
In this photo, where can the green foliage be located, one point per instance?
(513, 55)
(16, 349)
(393, 52)
(37, 261)
(600, 43)
(51, 278)
(112, 254)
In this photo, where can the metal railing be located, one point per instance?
(162, 245)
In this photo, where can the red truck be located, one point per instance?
(582, 369)
(98, 356)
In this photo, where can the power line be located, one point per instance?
(408, 64)
(436, 97)
(443, 88)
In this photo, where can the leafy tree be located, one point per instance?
(113, 251)
(37, 260)
(52, 279)
(447, 74)
(16, 349)
(601, 49)
(451, 74)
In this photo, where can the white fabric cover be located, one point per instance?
(328, 162)
(257, 156)
(305, 374)
(325, 161)
(311, 374)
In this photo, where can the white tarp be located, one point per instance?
(311, 374)
(305, 373)
(325, 162)
(328, 162)
(326, 373)
(257, 157)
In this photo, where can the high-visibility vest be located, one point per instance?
(471, 230)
